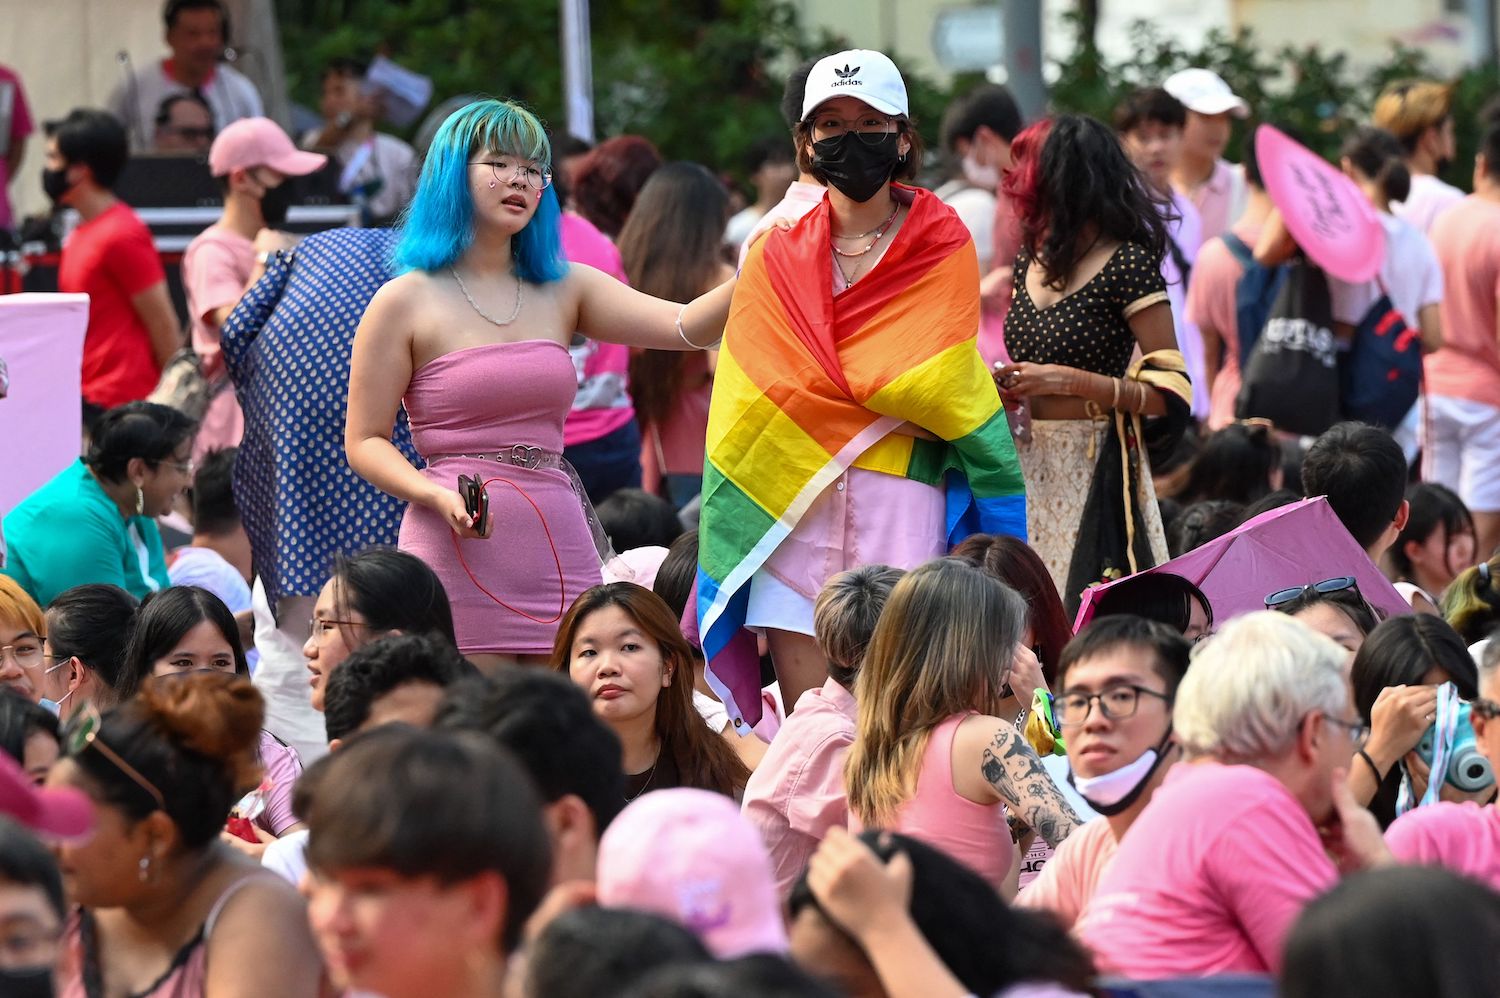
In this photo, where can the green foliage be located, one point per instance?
(1311, 91)
(701, 78)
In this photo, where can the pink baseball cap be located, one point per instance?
(252, 142)
(63, 814)
(689, 855)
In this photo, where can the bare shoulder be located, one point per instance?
(983, 731)
(406, 290)
(258, 898)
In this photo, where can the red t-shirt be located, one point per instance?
(111, 259)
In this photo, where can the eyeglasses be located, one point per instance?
(1323, 588)
(190, 133)
(1358, 731)
(1487, 709)
(83, 732)
(871, 128)
(536, 178)
(26, 652)
(1116, 703)
(320, 629)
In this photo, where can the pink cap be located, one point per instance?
(52, 814)
(688, 855)
(252, 142)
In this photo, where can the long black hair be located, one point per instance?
(163, 619)
(1072, 178)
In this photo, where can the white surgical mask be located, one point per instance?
(980, 175)
(1116, 791)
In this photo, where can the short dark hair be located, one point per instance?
(448, 804)
(759, 974)
(145, 430)
(174, 8)
(1396, 930)
(549, 726)
(93, 624)
(634, 518)
(164, 617)
(795, 92)
(212, 494)
(1149, 105)
(768, 149)
(393, 590)
(598, 951)
(94, 138)
(1362, 471)
(987, 105)
(1170, 649)
(19, 720)
(678, 571)
(164, 109)
(25, 862)
(344, 66)
(379, 667)
(1201, 522)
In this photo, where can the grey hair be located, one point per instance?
(1488, 662)
(1250, 686)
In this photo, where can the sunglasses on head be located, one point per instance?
(1325, 587)
(82, 733)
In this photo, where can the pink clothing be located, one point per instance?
(1186, 233)
(1463, 837)
(796, 794)
(216, 270)
(1209, 878)
(283, 769)
(15, 118)
(1467, 242)
(1219, 199)
(602, 404)
(1210, 307)
(677, 446)
(1428, 198)
(1007, 239)
(488, 398)
(1070, 878)
(977, 835)
(800, 199)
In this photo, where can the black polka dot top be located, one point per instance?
(1089, 329)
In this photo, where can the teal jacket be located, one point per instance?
(69, 532)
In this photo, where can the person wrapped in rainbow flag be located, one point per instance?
(853, 419)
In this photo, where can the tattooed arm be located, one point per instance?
(1013, 770)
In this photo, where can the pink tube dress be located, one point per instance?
(540, 554)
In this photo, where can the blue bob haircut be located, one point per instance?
(439, 223)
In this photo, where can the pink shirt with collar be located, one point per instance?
(796, 794)
(1209, 878)
(1219, 199)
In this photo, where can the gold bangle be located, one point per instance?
(1116, 403)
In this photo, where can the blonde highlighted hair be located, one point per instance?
(18, 608)
(1409, 108)
(943, 646)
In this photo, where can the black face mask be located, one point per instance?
(55, 183)
(31, 982)
(274, 204)
(854, 167)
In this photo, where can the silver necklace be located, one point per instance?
(649, 776)
(482, 313)
(895, 207)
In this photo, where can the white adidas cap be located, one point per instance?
(1205, 92)
(858, 73)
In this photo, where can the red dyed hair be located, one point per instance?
(609, 179)
(1022, 183)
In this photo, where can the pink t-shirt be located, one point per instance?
(796, 794)
(216, 270)
(1467, 241)
(1463, 837)
(1210, 307)
(1219, 199)
(602, 404)
(1209, 878)
(1070, 878)
(283, 769)
(677, 445)
(13, 101)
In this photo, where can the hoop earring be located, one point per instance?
(140, 502)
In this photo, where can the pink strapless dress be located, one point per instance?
(485, 399)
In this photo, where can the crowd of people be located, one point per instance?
(600, 582)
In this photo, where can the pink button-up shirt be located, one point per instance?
(796, 794)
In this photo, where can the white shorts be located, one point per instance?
(777, 606)
(1461, 448)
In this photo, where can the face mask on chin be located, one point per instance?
(980, 175)
(854, 167)
(1115, 792)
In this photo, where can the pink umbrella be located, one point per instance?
(1327, 215)
(1291, 546)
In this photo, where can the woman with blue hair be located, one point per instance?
(472, 337)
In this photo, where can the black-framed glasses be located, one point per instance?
(1334, 585)
(1358, 730)
(1487, 709)
(871, 128)
(1116, 703)
(83, 732)
(508, 172)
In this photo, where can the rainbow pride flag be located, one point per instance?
(809, 384)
